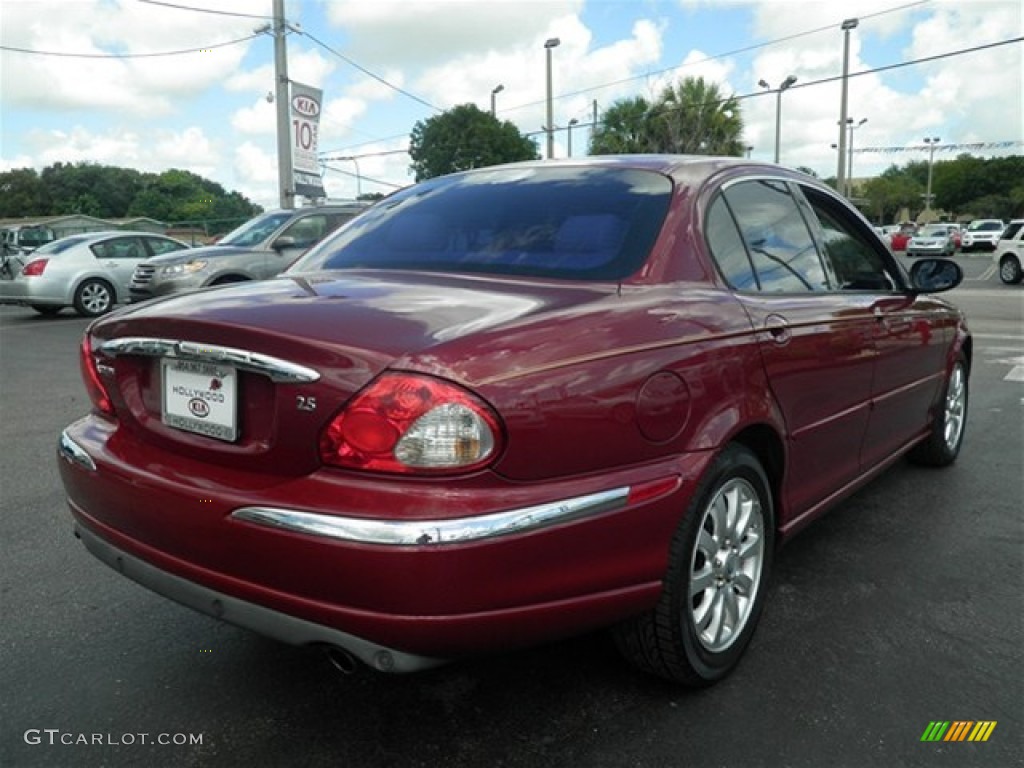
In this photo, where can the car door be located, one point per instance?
(908, 346)
(117, 258)
(816, 345)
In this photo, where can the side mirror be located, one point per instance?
(285, 241)
(935, 275)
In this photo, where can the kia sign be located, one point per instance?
(305, 112)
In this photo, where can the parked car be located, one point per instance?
(982, 233)
(932, 240)
(260, 248)
(1009, 254)
(89, 272)
(898, 240)
(518, 403)
(25, 238)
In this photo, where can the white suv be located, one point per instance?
(1009, 256)
(982, 233)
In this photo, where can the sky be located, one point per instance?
(184, 83)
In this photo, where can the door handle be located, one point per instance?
(778, 328)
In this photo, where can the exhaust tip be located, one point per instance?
(342, 660)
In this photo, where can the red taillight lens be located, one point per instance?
(413, 425)
(35, 268)
(91, 377)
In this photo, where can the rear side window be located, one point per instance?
(727, 247)
(780, 245)
(573, 223)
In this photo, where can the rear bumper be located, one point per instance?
(33, 290)
(494, 566)
(265, 621)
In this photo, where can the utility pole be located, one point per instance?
(285, 176)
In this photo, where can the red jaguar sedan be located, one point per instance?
(515, 404)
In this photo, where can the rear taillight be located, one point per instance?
(91, 377)
(35, 268)
(413, 425)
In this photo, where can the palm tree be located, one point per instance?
(623, 129)
(692, 117)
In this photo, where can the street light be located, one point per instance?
(572, 122)
(553, 42)
(778, 109)
(931, 142)
(840, 171)
(849, 162)
(497, 89)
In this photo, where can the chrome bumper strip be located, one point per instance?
(72, 452)
(421, 533)
(280, 371)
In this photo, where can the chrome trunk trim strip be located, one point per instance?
(424, 533)
(278, 370)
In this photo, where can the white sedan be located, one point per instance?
(90, 272)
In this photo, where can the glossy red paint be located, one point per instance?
(633, 384)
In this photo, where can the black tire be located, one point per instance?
(942, 446)
(94, 298)
(46, 310)
(676, 639)
(229, 280)
(1010, 270)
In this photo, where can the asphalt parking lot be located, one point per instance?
(900, 608)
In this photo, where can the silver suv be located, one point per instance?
(260, 248)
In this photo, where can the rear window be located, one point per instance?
(573, 223)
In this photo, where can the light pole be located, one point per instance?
(750, 148)
(553, 42)
(359, 180)
(572, 122)
(496, 90)
(778, 109)
(849, 152)
(840, 170)
(931, 142)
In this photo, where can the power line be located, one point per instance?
(716, 57)
(63, 54)
(365, 71)
(361, 177)
(205, 10)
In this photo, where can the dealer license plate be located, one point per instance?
(201, 397)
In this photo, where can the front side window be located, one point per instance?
(572, 223)
(781, 248)
(158, 245)
(855, 263)
(257, 230)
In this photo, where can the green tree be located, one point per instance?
(693, 118)
(465, 137)
(622, 129)
(21, 193)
